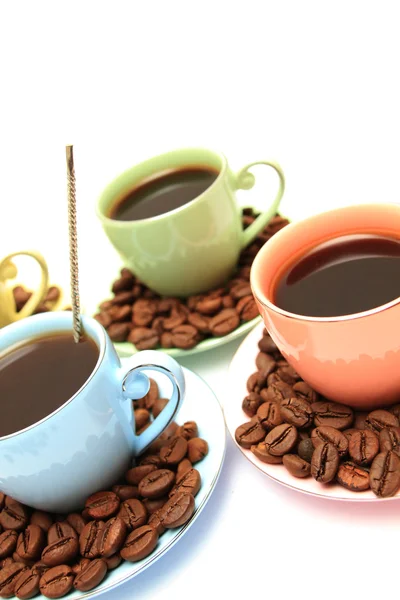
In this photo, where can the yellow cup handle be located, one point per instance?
(40, 293)
(245, 181)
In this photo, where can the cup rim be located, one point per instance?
(259, 259)
(65, 317)
(124, 224)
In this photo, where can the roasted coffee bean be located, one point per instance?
(209, 306)
(384, 474)
(288, 374)
(197, 449)
(305, 392)
(152, 459)
(188, 430)
(349, 432)
(277, 392)
(77, 522)
(119, 332)
(59, 530)
(177, 317)
(200, 322)
(335, 415)
(113, 561)
(89, 539)
(139, 543)
(281, 439)
(184, 466)
(352, 477)
(174, 451)
(159, 406)
(125, 492)
(296, 412)
(185, 336)
(39, 567)
(112, 537)
(265, 362)
(363, 447)
(296, 465)
(250, 433)
(31, 542)
(14, 515)
(267, 344)
(41, 518)
(378, 419)
(2, 500)
(27, 584)
(177, 511)
(305, 449)
(104, 319)
(91, 576)
(60, 552)
(251, 403)
(261, 452)
(123, 284)
(325, 463)
(143, 338)
(5, 562)
(389, 439)
(155, 522)
(247, 308)
(303, 434)
(269, 415)
(80, 565)
(8, 542)
(135, 475)
(189, 483)
(8, 578)
(102, 505)
(240, 290)
(57, 582)
(395, 410)
(142, 416)
(325, 433)
(252, 385)
(133, 513)
(157, 483)
(224, 322)
(25, 561)
(123, 298)
(360, 418)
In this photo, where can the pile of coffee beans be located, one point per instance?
(137, 315)
(291, 424)
(22, 295)
(53, 554)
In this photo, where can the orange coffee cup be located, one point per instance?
(352, 359)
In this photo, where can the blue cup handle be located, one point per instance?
(135, 385)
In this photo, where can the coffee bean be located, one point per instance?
(159, 406)
(269, 415)
(267, 344)
(252, 385)
(155, 522)
(209, 306)
(349, 432)
(325, 462)
(157, 483)
(143, 338)
(174, 451)
(177, 511)
(31, 542)
(135, 475)
(353, 477)
(378, 419)
(77, 523)
(25, 561)
(41, 518)
(60, 530)
(277, 392)
(91, 576)
(250, 433)
(8, 578)
(89, 539)
(123, 284)
(305, 449)
(251, 404)
(113, 561)
(224, 322)
(305, 392)
(185, 337)
(119, 332)
(261, 452)
(281, 439)
(125, 492)
(296, 412)
(247, 308)
(2, 500)
(363, 447)
(142, 416)
(121, 298)
(395, 410)
(197, 449)
(184, 466)
(240, 290)
(200, 322)
(102, 505)
(139, 543)
(384, 474)
(14, 515)
(60, 552)
(27, 584)
(152, 459)
(177, 317)
(335, 415)
(8, 542)
(5, 562)
(360, 418)
(80, 565)
(325, 433)
(112, 537)
(389, 439)
(152, 505)
(288, 374)
(188, 430)
(133, 513)
(265, 362)
(296, 465)
(189, 483)
(57, 582)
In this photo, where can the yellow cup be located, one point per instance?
(8, 270)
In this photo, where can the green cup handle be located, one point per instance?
(245, 181)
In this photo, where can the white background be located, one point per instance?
(313, 85)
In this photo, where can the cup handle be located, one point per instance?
(135, 385)
(245, 181)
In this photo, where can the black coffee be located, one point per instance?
(164, 193)
(345, 276)
(38, 377)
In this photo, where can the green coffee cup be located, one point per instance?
(195, 247)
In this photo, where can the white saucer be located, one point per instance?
(241, 367)
(202, 406)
